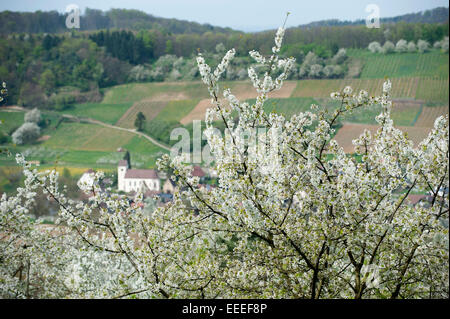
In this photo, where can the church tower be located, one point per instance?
(121, 171)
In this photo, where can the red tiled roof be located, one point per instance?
(150, 193)
(415, 198)
(123, 163)
(141, 173)
(198, 172)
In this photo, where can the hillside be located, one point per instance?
(420, 92)
(436, 15)
(92, 19)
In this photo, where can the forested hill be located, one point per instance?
(92, 19)
(436, 15)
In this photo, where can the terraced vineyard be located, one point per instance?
(155, 91)
(287, 106)
(401, 87)
(174, 111)
(434, 89)
(377, 65)
(429, 115)
(350, 131)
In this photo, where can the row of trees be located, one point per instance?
(403, 46)
(125, 46)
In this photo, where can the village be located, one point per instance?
(150, 182)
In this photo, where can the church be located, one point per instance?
(136, 179)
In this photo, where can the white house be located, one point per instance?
(169, 186)
(136, 179)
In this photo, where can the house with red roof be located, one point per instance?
(197, 171)
(130, 179)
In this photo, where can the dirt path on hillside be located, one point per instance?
(13, 108)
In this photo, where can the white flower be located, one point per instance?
(387, 87)
(348, 90)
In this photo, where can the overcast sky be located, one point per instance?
(246, 15)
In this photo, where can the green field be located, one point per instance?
(428, 89)
(403, 115)
(377, 65)
(83, 145)
(433, 89)
(158, 91)
(80, 136)
(288, 106)
(10, 121)
(175, 110)
(108, 113)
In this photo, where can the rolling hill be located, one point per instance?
(420, 92)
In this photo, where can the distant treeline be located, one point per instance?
(437, 15)
(145, 45)
(92, 19)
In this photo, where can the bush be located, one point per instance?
(412, 47)
(388, 47)
(3, 138)
(220, 47)
(166, 63)
(160, 130)
(401, 46)
(61, 102)
(139, 73)
(26, 134)
(157, 74)
(33, 116)
(444, 45)
(316, 71)
(174, 75)
(374, 47)
(311, 59)
(339, 57)
(231, 74)
(333, 71)
(242, 74)
(423, 46)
